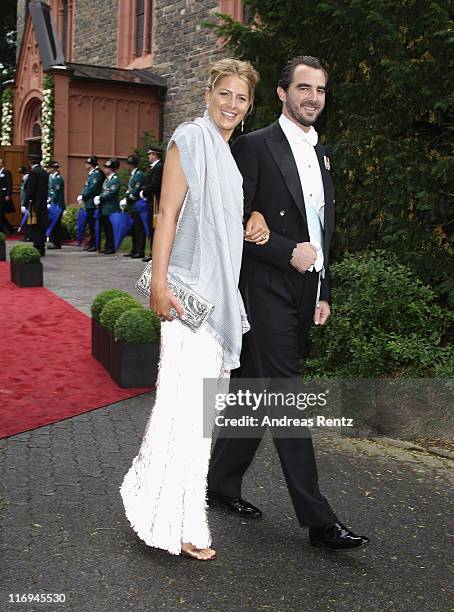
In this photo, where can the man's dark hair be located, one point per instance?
(289, 69)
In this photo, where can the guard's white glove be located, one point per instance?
(48, 199)
(64, 213)
(123, 204)
(23, 210)
(80, 199)
(48, 206)
(97, 200)
(141, 195)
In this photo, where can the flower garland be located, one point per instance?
(47, 119)
(7, 117)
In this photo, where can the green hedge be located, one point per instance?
(2, 237)
(24, 253)
(137, 326)
(69, 220)
(102, 298)
(385, 322)
(114, 308)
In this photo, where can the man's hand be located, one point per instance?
(322, 313)
(304, 256)
(7, 198)
(23, 210)
(257, 229)
(97, 200)
(80, 199)
(123, 204)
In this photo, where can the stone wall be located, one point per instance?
(95, 32)
(183, 49)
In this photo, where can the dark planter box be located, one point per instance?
(2, 251)
(100, 343)
(134, 365)
(27, 274)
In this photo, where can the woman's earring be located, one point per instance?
(242, 125)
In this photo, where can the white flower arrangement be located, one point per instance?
(7, 117)
(47, 119)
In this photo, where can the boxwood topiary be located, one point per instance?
(2, 237)
(102, 298)
(137, 327)
(114, 308)
(24, 253)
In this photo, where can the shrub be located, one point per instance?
(69, 220)
(2, 237)
(384, 323)
(102, 298)
(114, 308)
(24, 253)
(137, 326)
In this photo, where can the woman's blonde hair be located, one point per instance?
(234, 67)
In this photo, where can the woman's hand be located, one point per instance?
(257, 229)
(162, 300)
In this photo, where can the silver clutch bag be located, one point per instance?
(196, 308)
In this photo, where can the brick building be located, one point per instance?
(120, 67)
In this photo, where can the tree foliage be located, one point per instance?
(388, 118)
(7, 39)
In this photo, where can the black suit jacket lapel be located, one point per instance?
(283, 157)
(328, 190)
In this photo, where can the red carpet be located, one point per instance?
(47, 372)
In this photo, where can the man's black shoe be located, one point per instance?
(146, 259)
(109, 252)
(91, 249)
(26, 240)
(336, 537)
(128, 255)
(137, 256)
(102, 250)
(235, 505)
(52, 247)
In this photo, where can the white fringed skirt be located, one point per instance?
(164, 491)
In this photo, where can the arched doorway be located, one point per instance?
(31, 126)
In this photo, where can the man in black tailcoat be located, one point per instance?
(285, 287)
(36, 192)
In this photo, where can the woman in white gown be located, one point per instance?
(198, 239)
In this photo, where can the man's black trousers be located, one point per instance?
(280, 307)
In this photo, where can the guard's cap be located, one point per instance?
(133, 160)
(152, 149)
(22, 169)
(53, 164)
(92, 160)
(112, 163)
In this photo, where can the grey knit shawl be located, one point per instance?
(208, 245)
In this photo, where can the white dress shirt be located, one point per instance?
(302, 145)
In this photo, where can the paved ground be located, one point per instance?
(63, 529)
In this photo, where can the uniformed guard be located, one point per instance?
(108, 200)
(93, 187)
(6, 202)
(135, 186)
(152, 187)
(56, 196)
